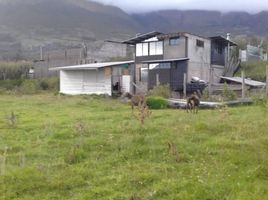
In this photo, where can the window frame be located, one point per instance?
(200, 43)
(158, 48)
(176, 39)
(144, 49)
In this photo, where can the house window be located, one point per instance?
(156, 48)
(174, 41)
(144, 73)
(199, 43)
(142, 49)
(159, 66)
(219, 49)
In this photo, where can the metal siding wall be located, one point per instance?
(164, 77)
(71, 82)
(177, 72)
(217, 71)
(216, 58)
(95, 82)
(85, 82)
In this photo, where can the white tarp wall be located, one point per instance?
(76, 82)
(126, 83)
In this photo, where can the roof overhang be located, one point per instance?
(249, 82)
(223, 40)
(142, 37)
(166, 60)
(92, 66)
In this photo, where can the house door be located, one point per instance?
(159, 73)
(177, 71)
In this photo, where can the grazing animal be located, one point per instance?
(193, 103)
(135, 100)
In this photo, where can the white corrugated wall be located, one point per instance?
(76, 82)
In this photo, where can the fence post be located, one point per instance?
(266, 79)
(184, 85)
(210, 83)
(243, 84)
(157, 80)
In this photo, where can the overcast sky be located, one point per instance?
(251, 6)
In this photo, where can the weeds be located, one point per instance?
(172, 149)
(143, 113)
(12, 120)
(228, 94)
(160, 91)
(80, 128)
(3, 160)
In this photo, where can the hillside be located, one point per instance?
(64, 18)
(206, 22)
(61, 24)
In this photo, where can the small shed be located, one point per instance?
(96, 78)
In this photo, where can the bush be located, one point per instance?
(254, 70)
(14, 70)
(228, 94)
(155, 102)
(49, 83)
(261, 100)
(160, 91)
(10, 84)
(30, 86)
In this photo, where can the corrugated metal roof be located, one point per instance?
(165, 60)
(142, 37)
(247, 81)
(92, 66)
(223, 40)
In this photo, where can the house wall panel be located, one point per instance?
(85, 82)
(175, 51)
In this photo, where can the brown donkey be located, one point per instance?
(193, 103)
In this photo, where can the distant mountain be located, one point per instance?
(27, 24)
(205, 22)
(30, 19)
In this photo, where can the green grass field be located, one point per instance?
(59, 147)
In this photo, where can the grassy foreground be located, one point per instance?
(58, 147)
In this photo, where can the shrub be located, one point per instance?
(10, 84)
(228, 94)
(49, 83)
(14, 70)
(254, 70)
(30, 86)
(261, 100)
(160, 91)
(155, 102)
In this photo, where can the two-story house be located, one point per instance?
(159, 59)
(165, 58)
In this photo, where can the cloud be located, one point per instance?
(131, 6)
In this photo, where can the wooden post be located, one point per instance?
(184, 85)
(41, 53)
(243, 84)
(210, 83)
(157, 80)
(266, 79)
